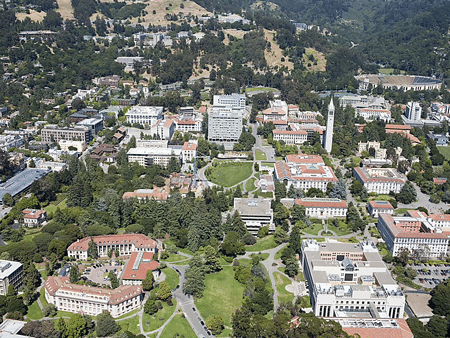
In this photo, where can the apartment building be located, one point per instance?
(52, 133)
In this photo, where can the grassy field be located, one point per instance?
(178, 325)
(228, 174)
(34, 16)
(319, 59)
(42, 298)
(275, 56)
(445, 151)
(283, 295)
(65, 9)
(263, 194)
(34, 312)
(401, 211)
(256, 89)
(156, 321)
(250, 185)
(260, 155)
(130, 324)
(174, 258)
(222, 295)
(52, 208)
(262, 244)
(341, 230)
(314, 229)
(172, 278)
(381, 198)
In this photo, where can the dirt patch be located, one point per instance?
(34, 16)
(418, 302)
(233, 32)
(274, 55)
(163, 7)
(318, 64)
(65, 9)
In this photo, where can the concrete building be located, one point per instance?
(65, 144)
(328, 140)
(224, 126)
(150, 156)
(10, 274)
(94, 124)
(414, 233)
(350, 280)
(440, 139)
(380, 180)
(363, 102)
(370, 114)
(152, 143)
(90, 300)
(255, 212)
(10, 141)
(290, 136)
(189, 151)
(34, 217)
(237, 101)
(144, 115)
(413, 111)
(323, 207)
(379, 207)
(164, 129)
(137, 267)
(52, 133)
(21, 182)
(406, 82)
(126, 244)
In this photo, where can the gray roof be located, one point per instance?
(252, 206)
(20, 182)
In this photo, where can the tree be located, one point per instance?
(74, 273)
(8, 200)
(76, 327)
(215, 323)
(163, 292)
(92, 249)
(280, 190)
(61, 326)
(194, 283)
(113, 279)
(150, 307)
(280, 236)
(238, 192)
(147, 283)
(437, 326)
(232, 245)
(174, 165)
(212, 263)
(339, 190)
(41, 329)
(106, 325)
(407, 194)
(440, 299)
(295, 240)
(356, 188)
(292, 267)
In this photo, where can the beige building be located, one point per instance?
(53, 133)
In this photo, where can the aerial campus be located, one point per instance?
(196, 179)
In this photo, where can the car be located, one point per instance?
(202, 322)
(193, 309)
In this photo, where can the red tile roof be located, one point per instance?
(377, 205)
(146, 264)
(440, 217)
(318, 203)
(403, 331)
(440, 180)
(289, 132)
(157, 195)
(397, 231)
(139, 240)
(397, 126)
(33, 213)
(305, 159)
(189, 146)
(116, 296)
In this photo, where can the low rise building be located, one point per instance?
(379, 207)
(94, 124)
(350, 280)
(290, 136)
(380, 180)
(126, 244)
(10, 274)
(164, 129)
(90, 300)
(52, 133)
(323, 207)
(414, 233)
(370, 114)
(236, 101)
(144, 115)
(137, 267)
(34, 217)
(21, 182)
(440, 139)
(189, 151)
(255, 212)
(104, 153)
(10, 141)
(150, 156)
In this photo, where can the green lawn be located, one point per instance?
(262, 244)
(172, 278)
(356, 161)
(34, 312)
(250, 185)
(52, 208)
(381, 198)
(260, 155)
(174, 258)
(278, 254)
(263, 194)
(130, 324)
(401, 211)
(42, 298)
(314, 229)
(228, 174)
(156, 321)
(269, 164)
(178, 325)
(222, 295)
(281, 282)
(445, 151)
(256, 89)
(341, 230)
(129, 314)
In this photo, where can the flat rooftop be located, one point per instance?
(21, 181)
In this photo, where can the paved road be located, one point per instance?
(268, 150)
(423, 200)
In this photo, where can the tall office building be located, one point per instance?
(413, 111)
(224, 126)
(328, 140)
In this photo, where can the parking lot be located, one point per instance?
(430, 275)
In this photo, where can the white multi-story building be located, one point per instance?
(380, 180)
(350, 280)
(126, 244)
(144, 115)
(10, 141)
(53, 133)
(440, 221)
(189, 151)
(237, 101)
(413, 111)
(370, 114)
(34, 217)
(10, 274)
(413, 232)
(364, 101)
(164, 129)
(91, 300)
(149, 156)
(255, 212)
(224, 126)
(379, 207)
(323, 207)
(290, 136)
(277, 112)
(304, 175)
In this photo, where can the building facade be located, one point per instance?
(33, 217)
(52, 133)
(236, 101)
(323, 207)
(370, 114)
(126, 244)
(328, 139)
(348, 280)
(90, 300)
(10, 274)
(144, 115)
(380, 180)
(137, 267)
(255, 212)
(149, 156)
(224, 126)
(290, 136)
(379, 207)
